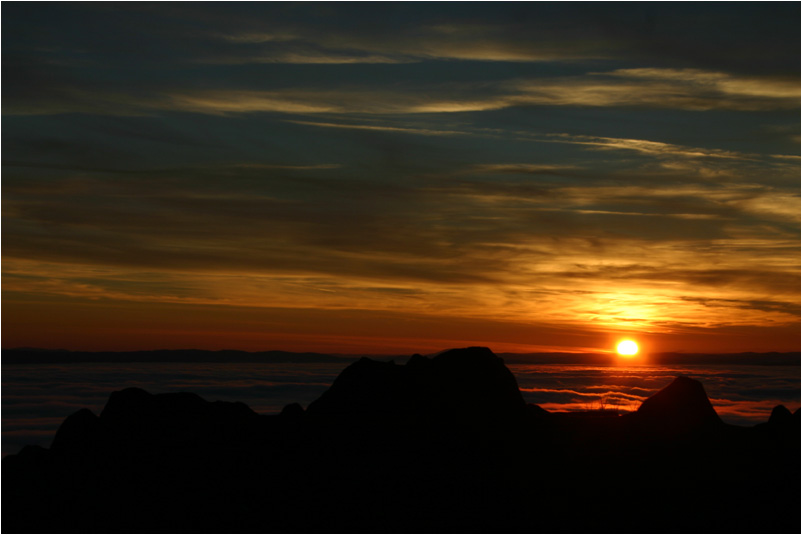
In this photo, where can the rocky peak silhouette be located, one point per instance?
(780, 415)
(465, 382)
(124, 402)
(293, 410)
(81, 430)
(133, 417)
(681, 407)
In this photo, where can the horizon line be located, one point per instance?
(328, 353)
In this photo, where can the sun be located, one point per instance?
(627, 348)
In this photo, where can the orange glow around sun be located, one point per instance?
(627, 348)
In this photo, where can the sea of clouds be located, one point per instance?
(37, 398)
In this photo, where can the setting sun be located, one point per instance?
(627, 348)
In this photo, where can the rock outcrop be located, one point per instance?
(133, 418)
(680, 408)
(461, 383)
(780, 415)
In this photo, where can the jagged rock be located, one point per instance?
(293, 410)
(417, 360)
(681, 407)
(33, 451)
(471, 381)
(136, 416)
(366, 386)
(536, 411)
(780, 415)
(474, 381)
(82, 430)
(124, 401)
(135, 402)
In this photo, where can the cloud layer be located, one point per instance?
(36, 401)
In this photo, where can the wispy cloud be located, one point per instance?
(661, 88)
(287, 166)
(645, 88)
(655, 148)
(651, 88)
(485, 42)
(464, 244)
(564, 170)
(306, 57)
(379, 128)
(244, 102)
(767, 87)
(677, 200)
(257, 37)
(525, 168)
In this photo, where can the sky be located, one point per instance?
(401, 177)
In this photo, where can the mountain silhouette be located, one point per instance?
(780, 415)
(471, 382)
(679, 408)
(442, 444)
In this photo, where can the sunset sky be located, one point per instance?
(398, 178)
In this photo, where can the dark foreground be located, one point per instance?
(438, 445)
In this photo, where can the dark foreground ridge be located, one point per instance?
(440, 445)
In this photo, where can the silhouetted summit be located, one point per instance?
(471, 382)
(135, 418)
(681, 407)
(80, 430)
(780, 415)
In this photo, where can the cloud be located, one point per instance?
(741, 398)
(400, 44)
(379, 128)
(645, 88)
(257, 37)
(713, 201)
(660, 88)
(576, 91)
(571, 394)
(305, 57)
(654, 148)
(487, 238)
(386, 157)
(772, 205)
(767, 87)
(569, 170)
(308, 101)
(244, 102)
(287, 166)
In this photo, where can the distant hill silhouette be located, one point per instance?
(31, 355)
(60, 356)
(443, 444)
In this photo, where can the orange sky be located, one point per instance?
(100, 324)
(401, 177)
